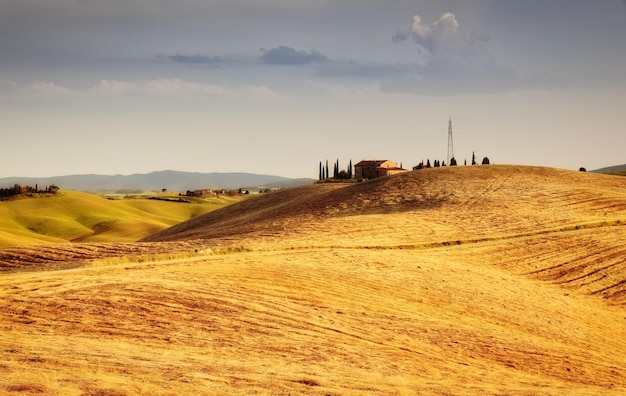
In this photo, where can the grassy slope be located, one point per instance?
(80, 217)
(529, 302)
(445, 205)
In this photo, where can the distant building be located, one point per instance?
(371, 169)
(199, 193)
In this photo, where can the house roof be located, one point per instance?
(371, 162)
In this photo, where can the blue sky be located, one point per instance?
(275, 86)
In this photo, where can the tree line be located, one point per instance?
(338, 174)
(453, 162)
(20, 190)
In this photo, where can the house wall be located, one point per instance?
(389, 172)
(388, 164)
(365, 171)
(373, 169)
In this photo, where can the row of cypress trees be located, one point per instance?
(324, 172)
(437, 164)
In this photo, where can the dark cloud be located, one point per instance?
(368, 70)
(283, 55)
(199, 59)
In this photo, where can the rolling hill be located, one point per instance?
(611, 169)
(467, 280)
(447, 205)
(155, 181)
(72, 216)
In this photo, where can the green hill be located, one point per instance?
(72, 216)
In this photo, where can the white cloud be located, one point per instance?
(442, 34)
(49, 88)
(115, 87)
(161, 86)
(174, 86)
(454, 63)
(168, 86)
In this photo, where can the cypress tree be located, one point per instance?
(327, 173)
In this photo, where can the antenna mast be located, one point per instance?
(450, 145)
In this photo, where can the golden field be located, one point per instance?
(467, 280)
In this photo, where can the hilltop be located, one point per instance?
(506, 205)
(450, 204)
(467, 280)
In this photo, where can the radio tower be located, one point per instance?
(450, 145)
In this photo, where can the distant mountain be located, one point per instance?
(617, 168)
(155, 181)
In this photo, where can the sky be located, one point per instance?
(276, 86)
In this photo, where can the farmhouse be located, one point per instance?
(199, 193)
(370, 169)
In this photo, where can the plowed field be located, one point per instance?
(474, 280)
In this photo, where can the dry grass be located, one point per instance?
(390, 287)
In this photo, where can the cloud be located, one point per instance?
(199, 59)
(161, 86)
(283, 55)
(174, 86)
(443, 33)
(455, 63)
(367, 70)
(49, 88)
